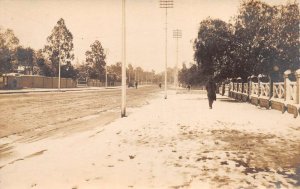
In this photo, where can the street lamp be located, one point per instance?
(166, 4)
(176, 34)
(123, 104)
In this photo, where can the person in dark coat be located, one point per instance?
(223, 88)
(136, 84)
(211, 91)
(189, 87)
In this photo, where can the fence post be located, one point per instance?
(259, 84)
(249, 87)
(286, 91)
(297, 73)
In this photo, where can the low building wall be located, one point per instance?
(27, 81)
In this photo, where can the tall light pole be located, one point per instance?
(123, 105)
(106, 53)
(58, 69)
(176, 34)
(106, 76)
(166, 4)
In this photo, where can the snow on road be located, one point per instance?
(173, 143)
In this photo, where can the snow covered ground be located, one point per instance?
(173, 143)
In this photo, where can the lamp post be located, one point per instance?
(176, 34)
(123, 104)
(166, 4)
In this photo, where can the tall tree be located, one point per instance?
(26, 58)
(266, 38)
(138, 74)
(211, 47)
(115, 71)
(8, 45)
(8, 39)
(252, 43)
(44, 64)
(130, 73)
(288, 43)
(60, 48)
(5, 60)
(95, 59)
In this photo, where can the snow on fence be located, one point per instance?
(264, 90)
(240, 87)
(264, 95)
(254, 93)
(235, 88)
(245, 90)
(227, 88)
(291, 92)
(278, 91)
(277, 99)
(254, 89)
(239, 91)
(283, 96)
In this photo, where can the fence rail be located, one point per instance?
(278, 90)
(264, 90)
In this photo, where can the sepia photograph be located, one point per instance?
(149, 94)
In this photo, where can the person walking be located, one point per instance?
(136, 84)
(211, 91)
(189, 87)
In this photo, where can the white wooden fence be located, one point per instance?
(284, 96)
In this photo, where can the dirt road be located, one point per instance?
(41, 114)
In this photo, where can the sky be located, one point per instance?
(90, 20)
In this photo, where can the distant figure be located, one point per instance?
(211, 91)
(136, 84)
(159, 85)
(189, 87)
(223, 88)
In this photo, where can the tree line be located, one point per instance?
(260, 39)
(59, 48)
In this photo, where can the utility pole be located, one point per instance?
(58, 68)
(123, 104)
(176, 34)
(106, 76)
(166, 4)
(128, 75)
(106, 53)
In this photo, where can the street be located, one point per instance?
(47, 112)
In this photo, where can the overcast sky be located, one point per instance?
(90, 20)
